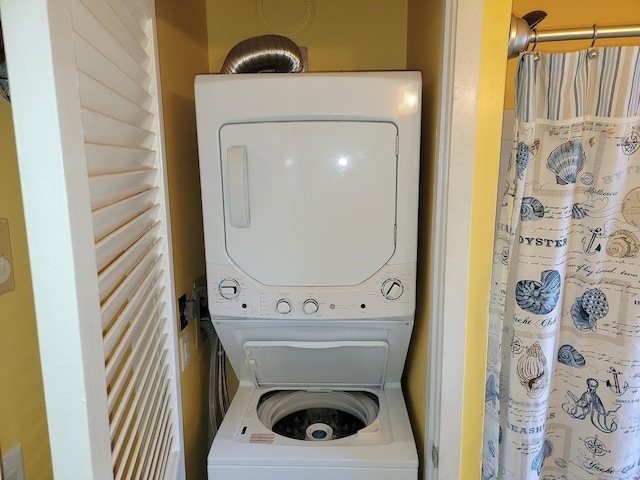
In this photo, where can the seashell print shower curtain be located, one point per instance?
(563, 360)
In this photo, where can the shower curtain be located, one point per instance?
(562, 394)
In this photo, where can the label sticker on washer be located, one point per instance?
(262, 438)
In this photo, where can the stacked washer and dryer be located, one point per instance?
(310, 202)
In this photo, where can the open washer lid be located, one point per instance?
(317, 364)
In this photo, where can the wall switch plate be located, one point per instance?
(12, 464)
(7, 282)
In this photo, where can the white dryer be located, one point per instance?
(310, 198)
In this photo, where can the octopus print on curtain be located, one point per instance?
(563, 376)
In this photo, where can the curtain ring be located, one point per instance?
(595, 35)
(535, 40)
(593, 53)
(535, 44)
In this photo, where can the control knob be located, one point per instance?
(283, 306)
(229, 288)
(310, 306)
(392, 289)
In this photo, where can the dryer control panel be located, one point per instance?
(388, 293)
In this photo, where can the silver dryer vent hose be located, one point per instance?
(264, 54)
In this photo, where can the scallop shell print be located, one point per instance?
(568, 355)
(566, 161)
(540, 297)
(522, 159)
(578, 211)
(531, 209)
(588, 308)
(623, 244)
(532, 371)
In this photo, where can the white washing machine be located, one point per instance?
(310, 198)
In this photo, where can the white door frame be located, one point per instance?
(451, 238)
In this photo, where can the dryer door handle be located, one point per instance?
(238, 187)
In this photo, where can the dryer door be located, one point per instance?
(309, 203)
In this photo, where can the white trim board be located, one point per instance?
(451, 236)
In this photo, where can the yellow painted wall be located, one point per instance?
(493, 60)
(182, 43)
(353, 35)
(23, 417)
(424, 45)
(574, 14)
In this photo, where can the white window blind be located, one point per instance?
(94, 183)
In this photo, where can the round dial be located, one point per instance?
(310, 306)
(229, 288)
(392, 289)
(283, 306)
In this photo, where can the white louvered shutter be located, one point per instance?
(85, 95)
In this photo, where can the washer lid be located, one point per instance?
(318, 364)
(309, 203)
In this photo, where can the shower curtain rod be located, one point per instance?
(521, 35)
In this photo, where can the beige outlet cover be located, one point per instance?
(7, 282)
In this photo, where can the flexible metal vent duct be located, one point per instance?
(262, 54)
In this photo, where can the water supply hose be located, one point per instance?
(218, 392)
